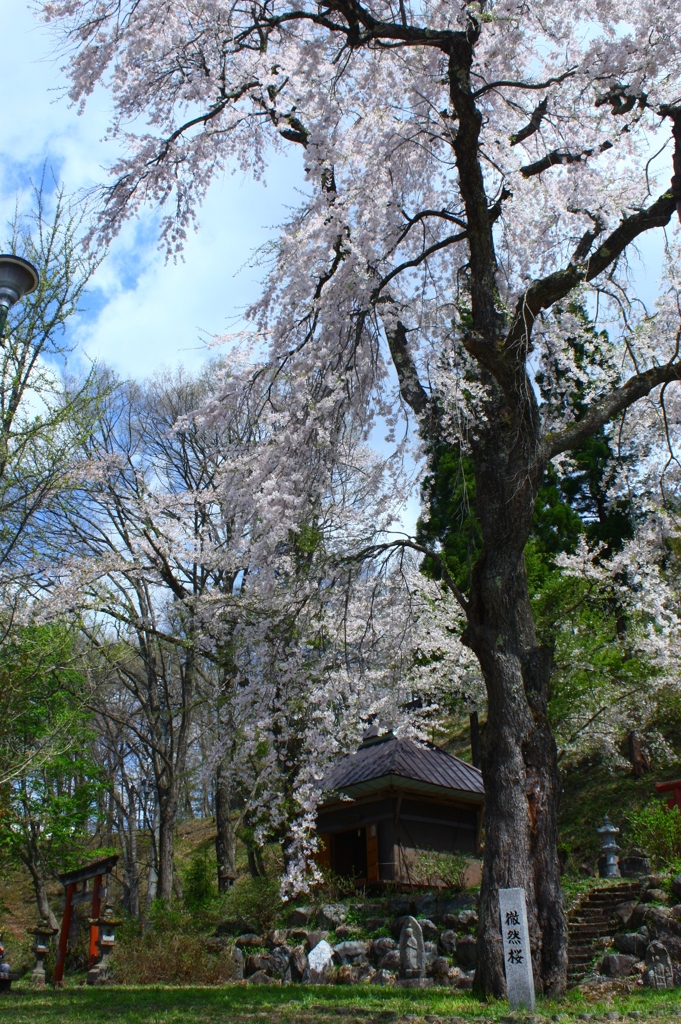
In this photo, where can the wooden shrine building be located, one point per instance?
(405, 798)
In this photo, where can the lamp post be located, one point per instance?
(41, 947)
(100, 973)
(18, 277)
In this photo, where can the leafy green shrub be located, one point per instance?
(199, 889)
(333, 887)
(254, 902)
(445, 870)
(170, 957)
(657, 828)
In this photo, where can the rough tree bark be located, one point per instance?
(518, 754)
(225, 839)
(637, 754)
(33, 862)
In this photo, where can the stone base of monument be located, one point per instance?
(415, 982)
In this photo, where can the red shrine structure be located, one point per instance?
(674, 788)
(97, 873)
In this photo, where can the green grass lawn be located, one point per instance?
(301, 1005)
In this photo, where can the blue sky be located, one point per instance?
(141, 312)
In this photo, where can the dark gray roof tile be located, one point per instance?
(407, 759)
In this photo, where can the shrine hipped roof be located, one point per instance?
(384, 760)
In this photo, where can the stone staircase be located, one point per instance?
(591, 919)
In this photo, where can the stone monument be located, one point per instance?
(659, 972)
(412, 956)
(516, 942)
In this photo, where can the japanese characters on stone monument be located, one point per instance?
(516, 941)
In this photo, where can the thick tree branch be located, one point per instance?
(411, 389)
(466, 145)
(547, 290)
(373, 550)
(505, 83)
(533, 125)
(611, 405)
(558, 156)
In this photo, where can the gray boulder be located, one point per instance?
(425, 905)
(331, 915)
(314, 938)
(300, 916)
(655, 896)
(351, 952)
(623, 911)
(659, 921)
(256, 962)
(676, 886)
(672, 943)
(280, 961)
(383, 977)
(618, 965)
(467, 952)
(439, 968)
(400, 906)
(429, 930)
(249, 941)
(463, 919)
(260, 978)
(448, 941)
(431, 947)
(365, 972)
(300, 970)
(391, 961)
(380, 947)
(238, 965)
(632, 944)
(320, 963)
(635, 864)
(372, 924)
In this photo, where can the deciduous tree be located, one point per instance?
(473, 171)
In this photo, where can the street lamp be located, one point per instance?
(18, 277)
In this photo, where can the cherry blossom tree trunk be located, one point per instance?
(168, 799)
(33, 862)
(518, 752)
(225, 839)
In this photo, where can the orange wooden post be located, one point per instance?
(372, 853)
(323, 855)
(93, 955)
(64, 935)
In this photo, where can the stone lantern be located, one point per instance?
(608, 865)
(41, 947)
(106, 923)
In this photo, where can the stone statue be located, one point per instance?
(659, 972)
(412, 951)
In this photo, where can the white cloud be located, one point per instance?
(142, 312)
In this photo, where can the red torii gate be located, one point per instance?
(671, 787)
(98, 871)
